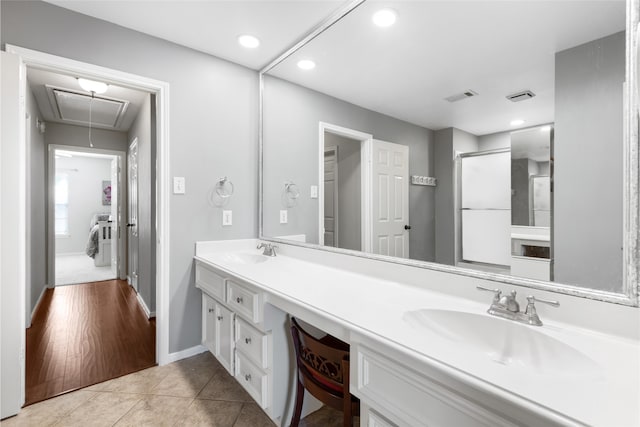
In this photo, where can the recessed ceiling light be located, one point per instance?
(306, 64)
(384, 17)
(517, 122)
(546, 128)
(92, 86)
(248, 41)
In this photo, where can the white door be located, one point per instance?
(390, 199)
(13, 230)
(115, 217)
(132, 225)
(331, 196)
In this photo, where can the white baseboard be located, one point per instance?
(179, 355)
(128, 279)
(146, 310)
(35, 307)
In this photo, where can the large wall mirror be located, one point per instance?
(495, 139)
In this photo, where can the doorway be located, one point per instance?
(25, 58)
(85, 207)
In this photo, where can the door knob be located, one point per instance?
(407, 227)
(130, 225)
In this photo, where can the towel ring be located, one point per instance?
(290, 194)
(224, 188)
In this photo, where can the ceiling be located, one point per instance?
(437, 49)
(213, 26)
(45, 85)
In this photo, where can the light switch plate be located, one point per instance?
(227, 217)
(178, 185)
(314, 191)
(283, 217)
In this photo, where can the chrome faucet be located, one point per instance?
(507, 307)
(269, 248)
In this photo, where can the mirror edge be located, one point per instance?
(631, 162)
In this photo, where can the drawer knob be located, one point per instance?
(211, 310)
(239, 300)
(219, 317)
(247, 377)
(247, 340)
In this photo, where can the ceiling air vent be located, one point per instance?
(521, 96)
(460, 96)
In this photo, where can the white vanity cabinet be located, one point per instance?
(394, 393)
(237, 327)
(217, 331)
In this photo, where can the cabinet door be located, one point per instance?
(225, 343)
(209, 323)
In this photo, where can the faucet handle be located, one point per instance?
(531, 301)
(496, 292)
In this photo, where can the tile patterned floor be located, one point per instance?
(196, 391)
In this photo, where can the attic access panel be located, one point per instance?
(73, 107)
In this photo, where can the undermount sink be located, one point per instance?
(503, 341)
(245, 258)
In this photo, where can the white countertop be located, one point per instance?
(605, 394)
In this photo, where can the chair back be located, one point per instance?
(322, 360)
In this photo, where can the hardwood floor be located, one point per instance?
(85, 334)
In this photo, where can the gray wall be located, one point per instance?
(587, 218)
(141, 129)
(520, 191)
(213, 114)
(36, 238)
(291, 117)
(349, 187)
(78, 136)
(494, 141)
(448, 143)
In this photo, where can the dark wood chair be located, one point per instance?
(323, 370)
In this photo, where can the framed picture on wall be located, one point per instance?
(106, 193)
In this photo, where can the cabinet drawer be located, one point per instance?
(252, 343)
(415, 400)
(212, 283)
(253, 379)
(244, 301)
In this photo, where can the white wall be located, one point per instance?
(141, 129)
(213, 131)
(85, 177)
(587, 216)
(291, 120)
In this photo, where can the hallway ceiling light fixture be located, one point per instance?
(306, 64)
(517, 122)
(248, 41)
(92, 86)
(384, 17)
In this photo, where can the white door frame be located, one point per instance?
(336, 218)
(45, 61)
(132, 267)
(51, 235)
(366, 144)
